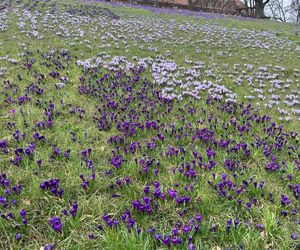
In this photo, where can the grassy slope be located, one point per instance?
(97, 200)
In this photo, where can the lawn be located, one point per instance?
(131, 127)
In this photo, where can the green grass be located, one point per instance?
(71, 131)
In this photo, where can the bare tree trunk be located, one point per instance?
(295, 8)
(298, 11)
(247, 7)
(259, 9)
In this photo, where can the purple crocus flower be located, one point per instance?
(146, 190)
(2, 200)
(210, 153)
(172, 193)
(198, 217)
(236, 222)
(186, 229)
(56, 224)
(65, 212)
(156, 184)
(10, 215)
(229, 224)
(260, 226)
(158, 237)
(23, 213)
(285, 201)
(294, 236)
(39, 162)
(67, 153)
(176, 241)
(191, 246)
(74, 209)
(3, 216)
(18, 236)
(296, 191)
(116, 161)
(49, 247)
(24, 221)
(167, 241)
(56, 151)
(83, 153)
(151, 230)
(248, 205)
(3, 144)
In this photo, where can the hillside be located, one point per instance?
(133, 127)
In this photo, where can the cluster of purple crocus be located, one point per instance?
(53, 185)
(171, 144)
